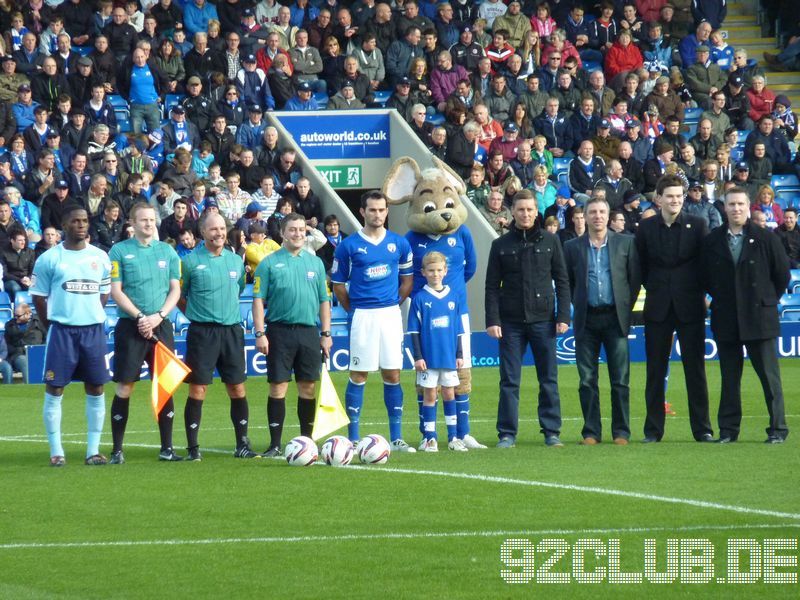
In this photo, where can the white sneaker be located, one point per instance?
(421, 446)
(471, 443)
(430, 445)
(401, 446)
(457, 445)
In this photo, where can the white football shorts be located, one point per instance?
(376, 339)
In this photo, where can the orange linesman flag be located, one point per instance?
(169, 371)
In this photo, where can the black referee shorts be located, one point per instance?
(293, 348)
(131, 350)
(210, 346)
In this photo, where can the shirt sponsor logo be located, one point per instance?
(162, 264)
(361, 250)
(81, 286)
(233, 274)
(441, 322)
(311, 275)
(377, 272)
(200, 267)
(129, 256)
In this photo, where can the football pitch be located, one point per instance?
(423, 525)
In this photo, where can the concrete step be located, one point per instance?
(739, 8)
(753, 41)
(776, 77)
(738, 20)
(744, 30)
(782, 87)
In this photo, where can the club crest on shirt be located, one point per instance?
(451, 305)
(451, 242)
(391, 248)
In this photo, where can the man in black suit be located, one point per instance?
(745, 270)
(669, 246)
(604, 279)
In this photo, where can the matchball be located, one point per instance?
(373, 449)
(301, 452)
(337, 451)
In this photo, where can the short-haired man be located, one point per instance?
(212, 279)
(527, 303)
(789, 235)
(145, 284)
(377, 264)
(670, 247)
(604, 279)
(72, 282)
(291, 284)
(745, 271)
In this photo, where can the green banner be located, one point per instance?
(342, 176)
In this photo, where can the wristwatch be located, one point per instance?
(161, 314)
(325, 334)
(140, 316)
(259, 334)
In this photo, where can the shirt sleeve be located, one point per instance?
(414, 317)
(340, 269)
(322, 284)
(174, 265)
(42, 276)
(186, 276)
(105, 281)
(407, 259)
(115, 258)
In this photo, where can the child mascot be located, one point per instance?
(435, 219)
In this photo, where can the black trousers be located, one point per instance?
(658, 345)
(764, 358)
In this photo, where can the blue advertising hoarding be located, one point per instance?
(484, 351)
(331, 136)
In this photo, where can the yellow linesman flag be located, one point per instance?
(169, 371)
(330, 414)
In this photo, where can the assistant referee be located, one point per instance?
(145, 284)
(291, 283)
(212, 278)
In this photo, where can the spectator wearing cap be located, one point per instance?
(10, 80)
(605, 145)
(199, 108)
(178, 132)
(631, 209)
(775, 145)
(508, 143)
(76, 132)
(467, 52)
(655, 167)
(28, 58)
(252, 84)
(664, 98)
(697, 204)
(585, 170)
(785, 119)
(741, 177)
(689, 44)
(82, 80)
(62, 152)
(562, 208)
(641, 147)
(249, 134)
(704, 78)
(303, 99)
(307, 62)
(402, 99)
(345, 98)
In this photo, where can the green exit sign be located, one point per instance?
(342, 176)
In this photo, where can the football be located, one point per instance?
(301, 452)
(337, 451)
(373, 449)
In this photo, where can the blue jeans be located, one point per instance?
(541, 337)
(149, 113)
(6, 371)
(603, 330)
(790, 53)
(12, 287)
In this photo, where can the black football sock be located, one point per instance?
(276, 413)
(240, 413)
(306, 408)
(119, 420)
(165, 419)
(191, 416)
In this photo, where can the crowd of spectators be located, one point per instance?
(500, 91)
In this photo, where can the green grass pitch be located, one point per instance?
(421, 526)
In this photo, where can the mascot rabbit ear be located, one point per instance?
(398, 187)
(451, 175)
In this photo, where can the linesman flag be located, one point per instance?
(330, 415)
(169, 371)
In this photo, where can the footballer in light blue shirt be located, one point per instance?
(377, 265)
(71, 285)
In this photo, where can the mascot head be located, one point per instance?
(433, 196)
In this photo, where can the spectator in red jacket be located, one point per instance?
(622, 58)
(762, 100)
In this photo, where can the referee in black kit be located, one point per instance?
(291, 282)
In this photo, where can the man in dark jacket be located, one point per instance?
(745, 270)
(121, 35)
(524, 307)
(17, 261)
(669, 246)
(25, 329)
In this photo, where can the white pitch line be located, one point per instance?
(586, 489)
(386, 536)
(127, 445)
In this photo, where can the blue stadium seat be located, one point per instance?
(743, 133)
(170, 101)
(436, 119)
(117, 101)
(785, 182)
(786, 198)
(322, 100)
(247, 294)
(381, 98)
(23, 296)
(692, 115)
(794, 282)
(691, 130)
(338, 315)
(181, 325)
(124, 125)
(6, 310)
(591, 66)
(789, 307)
(560, 165)
(82, 50)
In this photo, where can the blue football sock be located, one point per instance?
(393, 399)
(354, 400)
(450, 418)
(95, 415)
(421, 414)
(429, 418)
(52, 423)
(462, 412)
